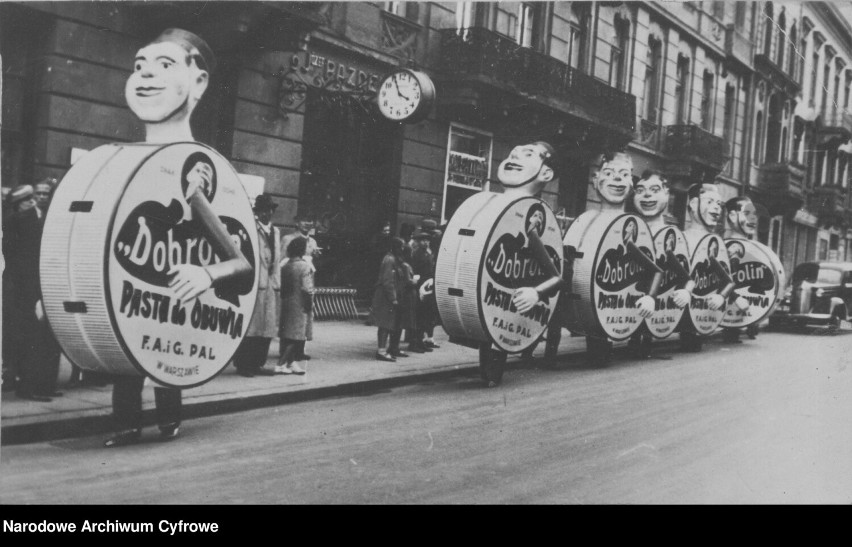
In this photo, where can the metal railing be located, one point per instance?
(334, 303)
(479, 52)
(686, 141)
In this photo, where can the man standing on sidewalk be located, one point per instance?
(254, 349)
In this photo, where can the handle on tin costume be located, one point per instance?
(646, 261)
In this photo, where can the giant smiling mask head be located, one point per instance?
(651, 195)
(705, 205)
(170, 75)
(614, 178)
(528, 168)
(742, 215)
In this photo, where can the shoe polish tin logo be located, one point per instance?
(618, 279)
(708, 281)
(179, 343)
(510, 262)
(673, 258)
(758, 276)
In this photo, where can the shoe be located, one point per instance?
(264, 372)
(431, 344)
(294, 368)
(124, 438)
(282, 369)
(34, 397)
(400, 353)
(385, 357)
(169, 432)
(245, 373)
(414, 348)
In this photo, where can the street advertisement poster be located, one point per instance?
(673, 257)
(759, 279)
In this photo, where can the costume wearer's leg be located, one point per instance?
(169, 402)
(383, 339)
(252, 353)
(393, 344)
(492, 363)
(45, 360)
(127, 401)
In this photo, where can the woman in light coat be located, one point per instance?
(297, 298)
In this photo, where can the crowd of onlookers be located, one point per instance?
(403, 302)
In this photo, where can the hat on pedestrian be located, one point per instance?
(20, 193)
(264, 202)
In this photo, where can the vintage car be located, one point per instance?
(820, 293)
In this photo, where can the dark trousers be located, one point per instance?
(38, 359)
(127, 403)
(252, 353)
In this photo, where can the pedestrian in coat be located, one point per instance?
(423, 266)
(385, 311)
(263, 327)
(34, 351)
(297, 299)
(407, 302)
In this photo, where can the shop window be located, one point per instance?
(682, 89)
(468, 168)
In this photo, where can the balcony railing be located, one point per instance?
(836, 121)
(478, 53)
(782, 178)
(777, 74)
(690, 142)
(829, 201)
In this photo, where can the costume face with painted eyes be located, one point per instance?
(614, 179)
(525, 170)
(651, 196)
(165, 83)
(707, 207)
(745, 219)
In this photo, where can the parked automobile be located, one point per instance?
(820, 293)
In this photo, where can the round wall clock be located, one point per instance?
(406, 96)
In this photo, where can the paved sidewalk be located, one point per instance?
(342, 362)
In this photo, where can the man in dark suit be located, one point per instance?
(35, 353)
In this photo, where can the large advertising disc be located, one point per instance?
(670, 245)
(117, 226)
(608, 279)
(759, 279)
(708, 281)
(485, 256)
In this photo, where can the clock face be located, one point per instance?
(400, 95)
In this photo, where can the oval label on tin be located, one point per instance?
(509, 263)
(708, 281)
(673, 258)
(756, 280)
(619, 280)
(179, 344)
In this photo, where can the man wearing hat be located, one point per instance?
(254, 349)
(34, 352)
